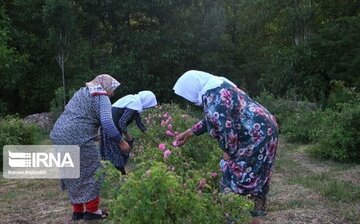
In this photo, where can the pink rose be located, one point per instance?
(202, 183)
(162, 146)
(170, 133)
(214, 174)
(175, 144)
(167, 153)
(168, 120)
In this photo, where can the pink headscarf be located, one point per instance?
(103, 84)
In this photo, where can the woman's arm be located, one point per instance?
(108, 124)
(199, 128)
(139, 123)
(124, 120)
(106, 119)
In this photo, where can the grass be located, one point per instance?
(303, 190)
(318, 188)
(32, 201)
(331, 189)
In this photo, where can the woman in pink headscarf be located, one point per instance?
(87, 110)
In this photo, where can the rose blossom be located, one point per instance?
(162, 146)
(202, 183)
(170, 133)
(167, 153)
(175, 144)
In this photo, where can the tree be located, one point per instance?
(11, 64)
(59, 18)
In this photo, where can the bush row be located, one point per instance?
(14, 131)
(334, 128)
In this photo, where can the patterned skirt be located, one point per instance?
(87, 186)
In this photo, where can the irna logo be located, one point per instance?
(40, 159)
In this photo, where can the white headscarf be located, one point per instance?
(192, 85)
(138, 102)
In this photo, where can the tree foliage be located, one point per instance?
(293, 49)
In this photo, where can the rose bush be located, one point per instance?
(168, 184)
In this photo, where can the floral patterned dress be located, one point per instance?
(247, 132)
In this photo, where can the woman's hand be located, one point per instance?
(226, 157)
(183, 137)
(124, 146)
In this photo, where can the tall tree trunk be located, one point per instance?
(297, 28)
(63, 75)
(61, 61)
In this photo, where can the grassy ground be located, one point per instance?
(303, 190)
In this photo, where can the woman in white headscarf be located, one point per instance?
(124, 111)
(245, 130)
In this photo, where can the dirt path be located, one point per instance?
(301, 192)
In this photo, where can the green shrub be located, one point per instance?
(300, 127)
(283, 109)
(158, 195)
(338, 136)
(340, 94)
(14, 131)
(181, 188)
